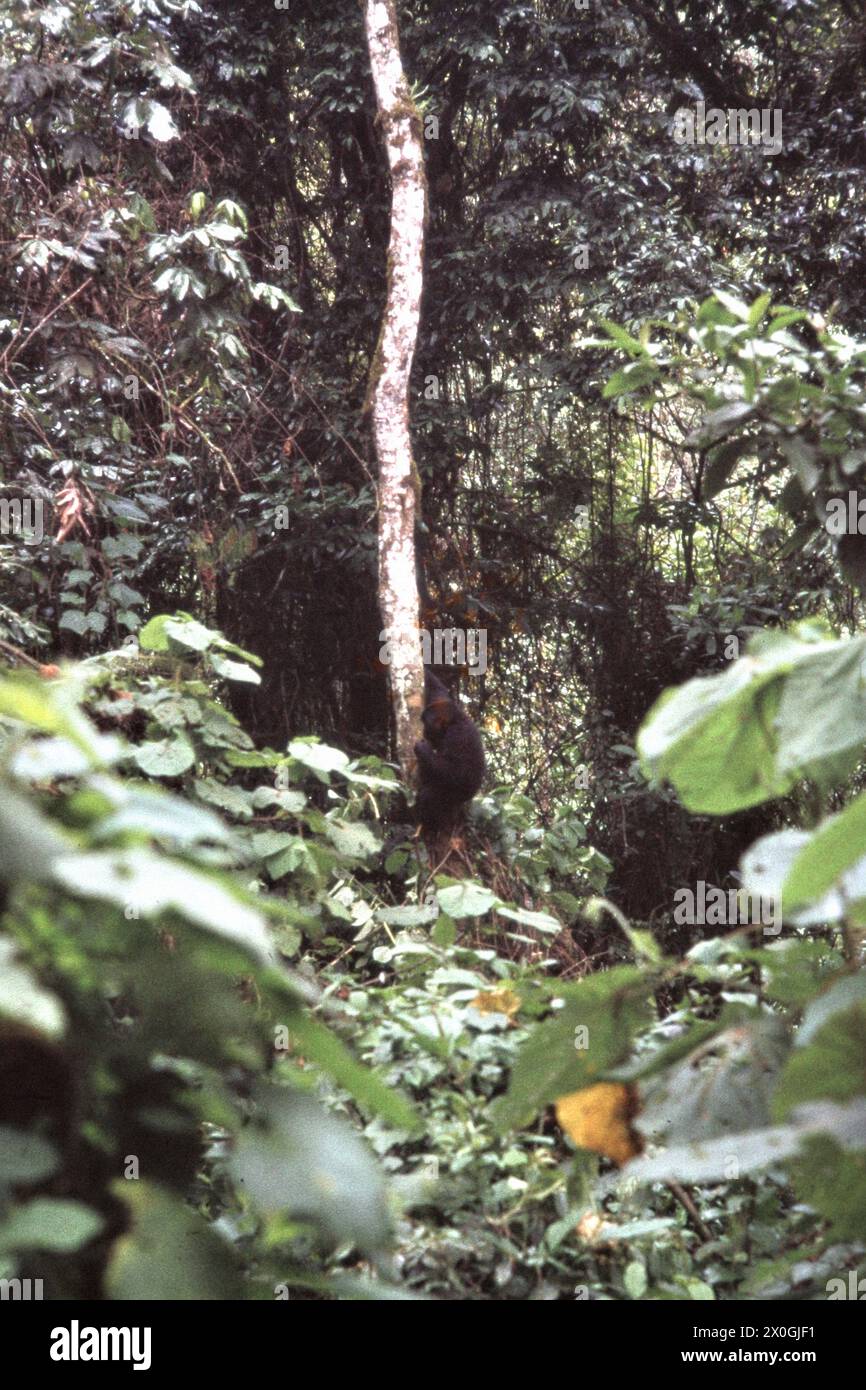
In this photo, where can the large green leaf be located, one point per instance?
(822, 712)
(29, 842)
(297, 1158)
(538, 921)
(723, 1086)
(170, 1253)
(837, 845)
(833, 1182)
(466, 899)
(23, 999)
(832, 1063)
(318, 757)
(234, 670)
(49, 706)
(733, 740)
(325, 1049)
(767, 864)
(148, 884)
(43, 759)
(50, 1223)
(353, 839)
(156, 814)
(592, 1033)
(167, 757)
(735, 1155)
(25, 1158)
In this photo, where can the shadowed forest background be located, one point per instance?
(229, 969)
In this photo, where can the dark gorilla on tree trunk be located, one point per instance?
(450, 758)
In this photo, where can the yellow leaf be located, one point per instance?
(497, 1001)
(599, 1118)
(591, 1226)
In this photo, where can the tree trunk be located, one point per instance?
(387, 393)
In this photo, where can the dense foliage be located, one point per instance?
(254, 1041)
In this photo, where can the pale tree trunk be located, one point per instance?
(387, 394)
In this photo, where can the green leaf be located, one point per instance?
(319, 757)
(847, 991)
(731, 741)
(444, 933)
(719, 423)
(635, 1279)
(233, 800)
(156, 815)
(835, 846)
(234, 670)
(833, 1182)
(71, 620)
(764, 868)
(409, 916)
(830, 1066)
(25, 1158)
(736, 1155)
(167, 757)
(266, 843)
(466, 899)
(298, 854)
(159, 121)
(721, 464)
(713, 314)
(733, 305)
(226, 646)
(187, 633)
(352, 839)
(50, 1223)
(758, 309)
(22, 998)
(42, 760)
(151, 885)
(170, 1253)
(153, 636)
(287, 799)
(124, 595)
(539, 921)
(783, 317)
(822, 711)
(49, 707)
(794, 968)
(722, 1086)
(631, 378)
(325, 1048)
(591, 1034)
(295, 1157)
(29, 842)
(623, 339)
